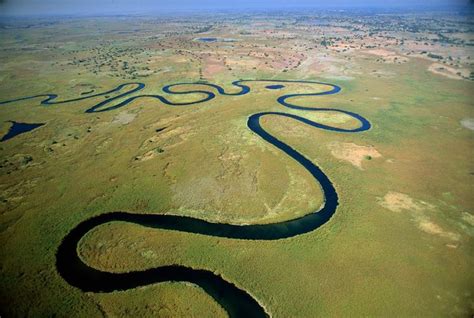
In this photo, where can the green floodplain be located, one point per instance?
(400, 242)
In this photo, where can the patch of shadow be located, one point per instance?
(88, 92)
(7, 224)
(160, 129)
(18, 129)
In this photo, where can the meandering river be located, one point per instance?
(235, 300)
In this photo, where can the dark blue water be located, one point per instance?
(18, 129)
(275, 86)
(236, 301)
(207, 39)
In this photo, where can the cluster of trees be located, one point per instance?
(125, 63)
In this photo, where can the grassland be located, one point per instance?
(400, 243)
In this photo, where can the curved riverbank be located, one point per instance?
(233, 299)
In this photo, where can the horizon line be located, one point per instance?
(289, 8)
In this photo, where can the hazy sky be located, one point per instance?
(14, 7)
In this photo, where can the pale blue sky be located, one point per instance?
(13, 7)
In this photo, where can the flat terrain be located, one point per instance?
(400, 242)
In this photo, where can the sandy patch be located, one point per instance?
(468, 218)
(213, 66)
(333, 68)
(353, 153)
(381, 52)
(468, 123)
(177, 135)
(432, 228)
(449, 72)
(388, 56)
(245, 63)
(397, 202)
(124, 118)
(149, 154)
